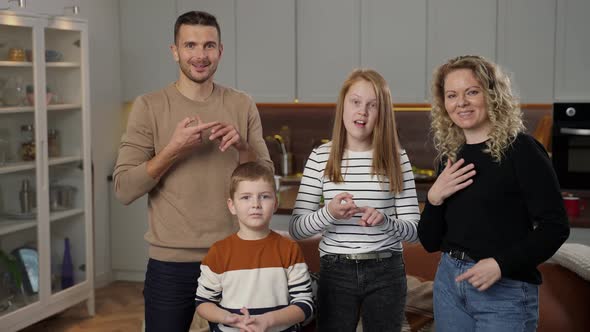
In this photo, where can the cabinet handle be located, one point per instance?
(46, 169)
(573, 131)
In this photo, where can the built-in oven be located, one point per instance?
(571, 144)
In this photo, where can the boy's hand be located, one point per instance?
(257, 323)
(371, 217)
(342, 206)
(239, 321)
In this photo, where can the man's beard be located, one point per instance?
(187, 72)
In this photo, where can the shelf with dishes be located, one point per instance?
(19, 166)
(11, 222)
(29, 109)
(65, 64)
(16, 64)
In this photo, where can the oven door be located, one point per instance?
(571, 157)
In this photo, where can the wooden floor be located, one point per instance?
(119, 308)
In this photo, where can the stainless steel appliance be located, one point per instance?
(571, 144)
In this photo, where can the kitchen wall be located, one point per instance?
(106, 100)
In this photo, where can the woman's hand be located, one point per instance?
(482, 275)
(370, 217)
(342, 206)
(452, 179)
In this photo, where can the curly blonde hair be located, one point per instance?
(502, 106)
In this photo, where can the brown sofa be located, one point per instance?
(564, 297)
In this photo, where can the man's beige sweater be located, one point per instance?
(187, 207)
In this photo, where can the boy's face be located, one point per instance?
(254, 203)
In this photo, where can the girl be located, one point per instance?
(495, 210)
(370, 199)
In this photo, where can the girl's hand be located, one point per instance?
(342, 206)
(371, 217)
(482, 275)
(452, 179)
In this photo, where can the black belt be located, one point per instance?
(461, 255)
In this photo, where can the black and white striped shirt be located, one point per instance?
(401, 212)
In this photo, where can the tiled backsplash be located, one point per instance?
(310, 123)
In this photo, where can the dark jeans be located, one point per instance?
(373, 289)
(169, 295)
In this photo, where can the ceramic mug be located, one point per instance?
(573, 206)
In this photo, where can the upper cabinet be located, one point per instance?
(526, 47)
(572, 62)
(281, 51)
(459, 27)
(147, 30)
(392, 42)
(328, 44)
(265, 49)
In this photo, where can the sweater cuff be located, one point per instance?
(328, 216)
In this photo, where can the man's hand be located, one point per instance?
(188, 135)
(342, 206)
(228, 136)
(452, 179)
(482, 275)
(371, 217)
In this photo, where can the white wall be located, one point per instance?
(106, 101)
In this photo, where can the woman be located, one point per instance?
(495, 210)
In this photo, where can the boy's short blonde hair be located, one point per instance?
(250, 171)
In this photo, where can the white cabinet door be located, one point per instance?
(225, 12)
(526, 45)
(572, 65)
(392, 42)
(459, 27)
(147, 31)
(266, 49)
(328, 47)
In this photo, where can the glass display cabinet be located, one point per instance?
(46, 240)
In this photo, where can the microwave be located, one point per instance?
(571, 144)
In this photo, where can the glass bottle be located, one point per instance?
(27, 142)
(53, 143)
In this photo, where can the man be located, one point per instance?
(181, 145)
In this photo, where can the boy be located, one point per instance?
(254, 280)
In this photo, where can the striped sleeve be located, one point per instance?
(403, 219)
(308, 219)
(299, 282)
(209, 284)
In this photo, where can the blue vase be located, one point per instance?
(67, 267)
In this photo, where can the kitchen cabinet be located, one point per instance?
(45, 177)
(572, 55)
(146, 59)
(326, 52)
(266, 61)
(388, 46)
(458, 27)
(526, 47)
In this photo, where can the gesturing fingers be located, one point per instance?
(370, 217)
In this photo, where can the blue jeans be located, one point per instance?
(375, 289)
(169, 295)
(508, 305)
